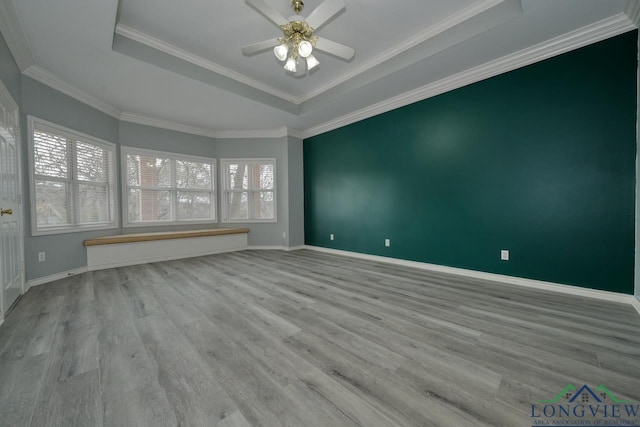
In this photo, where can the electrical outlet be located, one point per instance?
(504, 255)
(331, 236)
(387, 242)
(41, 256)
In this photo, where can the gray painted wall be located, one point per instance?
(66, 251)
(296, 192)
(264, 234)
(140, 136)
(9, 71)
(63, 251)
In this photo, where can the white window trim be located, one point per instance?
(223, 186)
(124, 151)
(32, 123)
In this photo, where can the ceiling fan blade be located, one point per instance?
(337, 49)
(324, 12)
(259, 47)
(268, 11)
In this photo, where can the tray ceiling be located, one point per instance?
(181, 62)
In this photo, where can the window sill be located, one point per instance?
(249, 221)
(76, 229)
(168, 223)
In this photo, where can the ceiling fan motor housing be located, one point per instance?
(297, 29)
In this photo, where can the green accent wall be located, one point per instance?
(539, 161)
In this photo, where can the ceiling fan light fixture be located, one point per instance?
(281, 51)
(305, 48)
(298, 42)
(290, 65)
(312, 62)
(301, 67)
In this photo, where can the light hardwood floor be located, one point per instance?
(301, 339)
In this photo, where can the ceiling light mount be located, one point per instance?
(297, 6)
(295, 48)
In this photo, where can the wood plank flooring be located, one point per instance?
(269, 338)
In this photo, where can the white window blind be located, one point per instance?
(164, 188)
(249, 190)
(72, 180)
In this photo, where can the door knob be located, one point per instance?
(6, 211)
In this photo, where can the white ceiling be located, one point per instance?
(217, 31)
(178, 64)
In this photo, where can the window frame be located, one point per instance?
(224, 191)
(173, 189)
(35, 123)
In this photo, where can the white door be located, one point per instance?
(11, 258)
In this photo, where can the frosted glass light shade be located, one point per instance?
(312, 62)
(301, 67)
(305, 48)
(281, 51)
(290, 65)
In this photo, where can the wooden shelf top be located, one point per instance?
(162, 235)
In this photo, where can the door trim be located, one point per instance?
(5, 97)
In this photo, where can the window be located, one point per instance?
(72, 180)
(167, 188)
(249, 190)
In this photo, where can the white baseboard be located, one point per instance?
(266, 248)
(635, 302)
(56, 276)
(518, 281)
(276, 248)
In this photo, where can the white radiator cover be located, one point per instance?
(122, 254)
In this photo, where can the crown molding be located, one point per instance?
(175, 51)
(210, 133)
(632, 10)
(49, 79)
(593, 33)
(165, 124)
(13, 32)
(439, 27)
(581, 37)
(255, 134)
(252, 134)
(295, 133)
(453, 20)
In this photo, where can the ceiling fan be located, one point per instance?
(295, 48)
